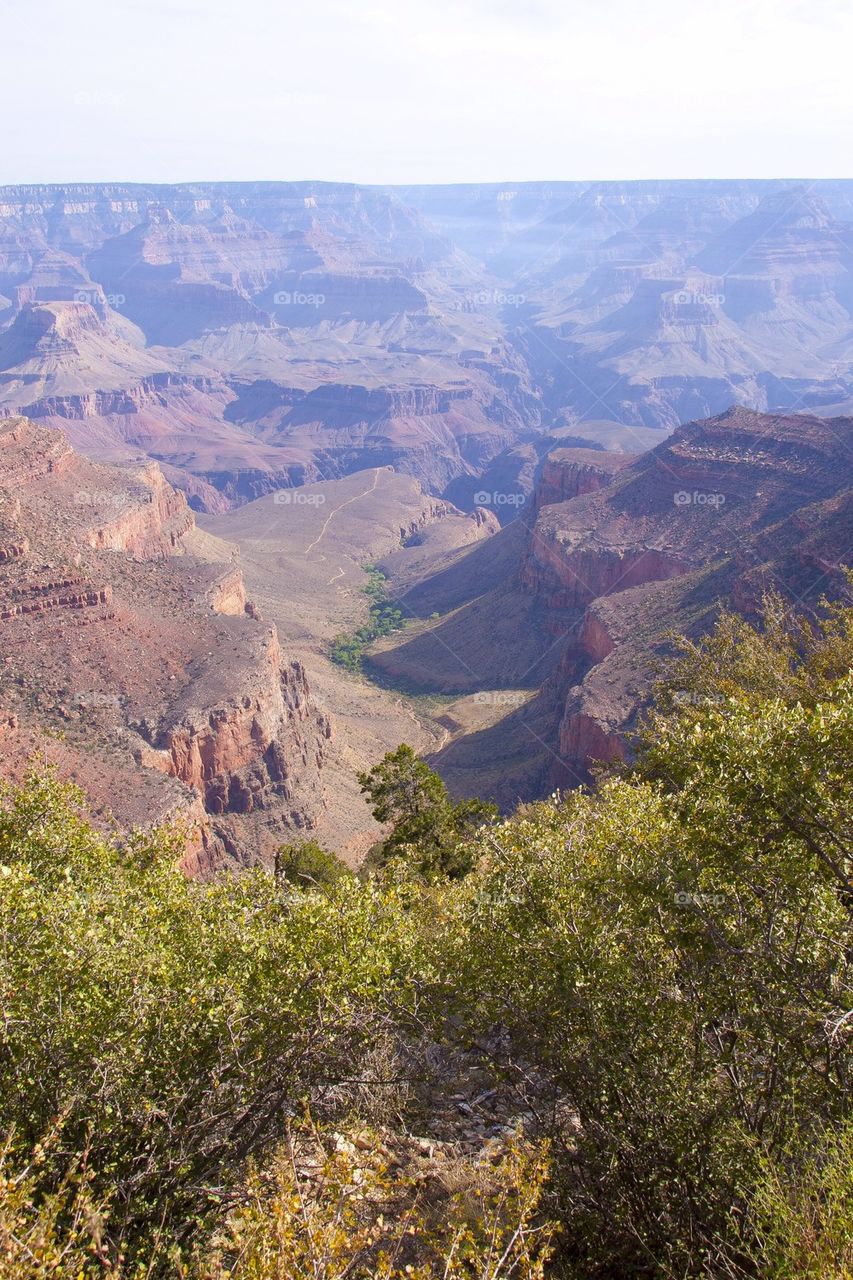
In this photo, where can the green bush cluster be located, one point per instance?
(660, 970)
(384, 618)
(170, 1027)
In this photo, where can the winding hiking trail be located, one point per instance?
(330, 517)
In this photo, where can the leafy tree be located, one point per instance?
(430, 833)
(306, 864)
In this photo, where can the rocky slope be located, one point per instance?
(557, 624)
(714, 515)
(139, 668)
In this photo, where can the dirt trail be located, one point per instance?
(340, 507)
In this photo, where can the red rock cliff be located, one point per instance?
(260, 743)
(568, 473)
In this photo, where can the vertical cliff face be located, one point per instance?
(594, 639)
(566, 576)
(152, 523)
(227, 595)
(586, 738)
(569, 473)
(261, 745)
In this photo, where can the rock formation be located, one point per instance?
(137, 668)
(251, 336)
(713, 515)
(572, 604)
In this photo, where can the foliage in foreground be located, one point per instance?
(659, 971)
(674, 953)
(173, 1025)
(804, 1223)
(50, 1233)
(350, 1213)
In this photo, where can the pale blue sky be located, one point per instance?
(433, 91)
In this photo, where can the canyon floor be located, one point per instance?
(303, 555)
(529, 649)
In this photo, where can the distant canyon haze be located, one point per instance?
(258, 336)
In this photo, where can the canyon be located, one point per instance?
(179, 679)
(134, 664)
(256, 336)
(178, 665)
(563, 420)
(561, 620)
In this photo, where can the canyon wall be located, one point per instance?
(249, 749)
(723, 511)
(569, 473)
(145, 670)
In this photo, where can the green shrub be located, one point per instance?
(384, 618)
(671, 955)
(175, 1025)
(802, 1210)
(431, 836)
(659, 970)
(307, 865)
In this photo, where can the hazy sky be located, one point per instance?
(425, 90)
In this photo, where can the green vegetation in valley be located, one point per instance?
(210, 1080)
(384, 618)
